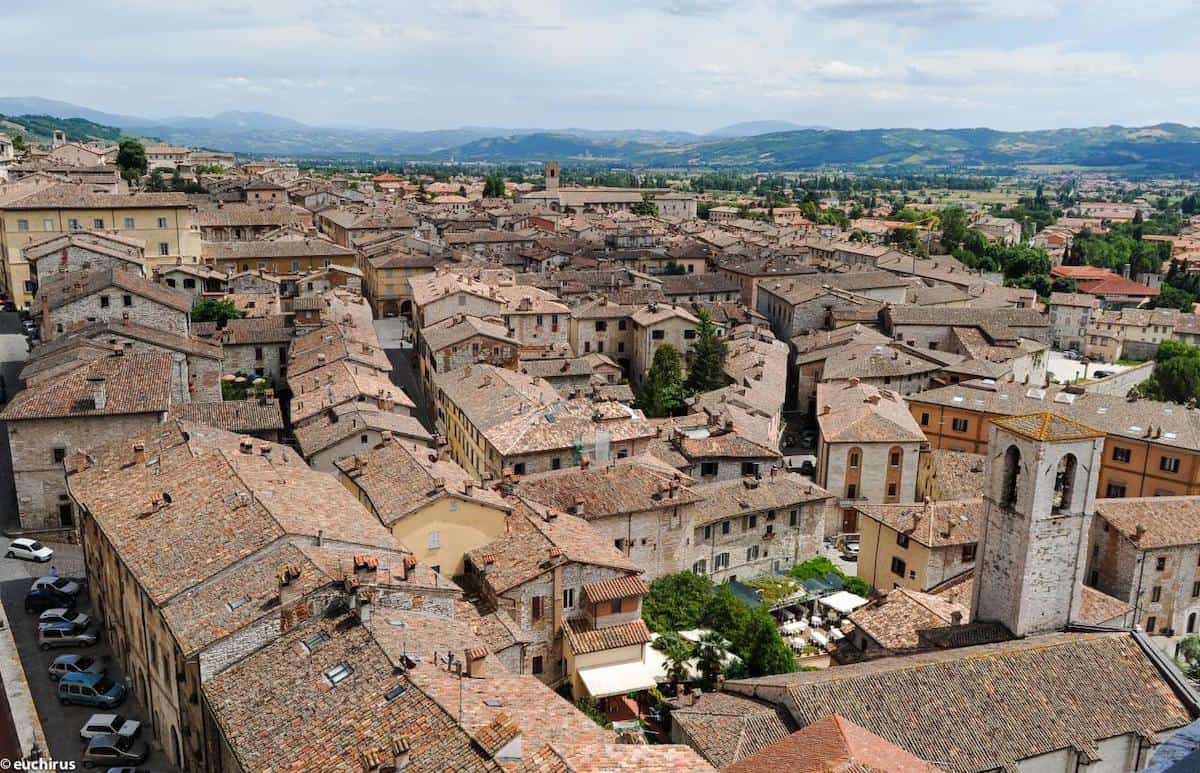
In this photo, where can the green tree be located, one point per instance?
(1170, 297)
(646, 206)
(131, 158)
(215, 310)
(19, 144)
(676, 602)
(677, 651)
(954, 227)
(759, 644)
(707, 369)
(662, 392)
(493, 186)
(710, 659)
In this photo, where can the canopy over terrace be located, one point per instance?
(843, 602)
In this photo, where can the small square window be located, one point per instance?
(59, 454)
(1160, 563)
(129, 223)
(902, 539)
(658, 335)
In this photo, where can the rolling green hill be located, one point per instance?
(40, 128)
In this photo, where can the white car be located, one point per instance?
(60, 584)
(29, 550)
(61, 615)
(109, 724)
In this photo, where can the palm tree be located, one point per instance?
(710, 657)
(677, 650)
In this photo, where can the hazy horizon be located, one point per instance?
(683, 65)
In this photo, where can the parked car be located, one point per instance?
(73, 664)
(64, 615)
(60, 584)
(107, 749)
(1071, 354)
(1102, 373)
(848, 545)
(64, 635)
(45, 597)
(110, 724)
(29, 550)
(90, 690)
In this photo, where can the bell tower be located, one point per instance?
(1038, 505)
(551, 175)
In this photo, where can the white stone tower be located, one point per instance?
(551, 175)
(1038, 507)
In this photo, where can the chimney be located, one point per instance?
(385, 437)
(873, 399)
(246, 447)
(956, 618)
(99, 392)
(825, 409)
(1139, 532)
(139, 453)
(320, 357)
(853, 381)
(474, 659)
(288, 588)
(577, 507)
(584, 462)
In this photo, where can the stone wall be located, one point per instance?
(90, 309)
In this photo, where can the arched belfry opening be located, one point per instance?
(1064, 482)
(1011, 479)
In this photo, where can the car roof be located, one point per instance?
(58, 625)
(69, 658)
(23, 541)
(107, 739)
(84, 678)
(63, 610)
(102, 718)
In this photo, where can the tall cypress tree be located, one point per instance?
(707, 370)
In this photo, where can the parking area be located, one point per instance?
(60, 723)
(1065, 370)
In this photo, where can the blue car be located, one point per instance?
(90, 690)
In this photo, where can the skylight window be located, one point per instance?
(313, 642)
(338, 674)
(238, 602)
(393, 693)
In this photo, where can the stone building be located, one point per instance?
(258, 346)
(640, 505)
(498, 421)
(1145, 551)
(1070, 316)
(70, 300)
(868, 447)
(84, 251)
(96, 403)
(605, 327)
(352, 428)
(655, 326)
(917, 546)
(463, 340)
(754, 526)
(429, 503)
(540, 572)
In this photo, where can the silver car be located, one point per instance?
(73, 664)
(64, 635)
(63, 615)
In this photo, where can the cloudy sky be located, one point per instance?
(676, 64)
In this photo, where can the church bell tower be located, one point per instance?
(1037, 509)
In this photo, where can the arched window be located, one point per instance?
(1191, 624)
(1012, 471)
(1064, 482)
(852, 459)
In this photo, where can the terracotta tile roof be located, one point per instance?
(1117, 285)
(628, 485)
(57, 290)
(524, 553)
(204, 499)
(584, 639)
(347, 419)
(400, 478)
(371, 218)
(194, 346)
(340, 382)
(283, 248)
(1163, 521)
(723, 444)
(615, 588)
(252, 215)
(956, 474)
(860, 413)
(896, 623)
(278, 710)
(122, 248)
(131, 383)
(1046, 427)
(454, 330)
(70, 196)
(271, 329)
(519, 414)
(933, 524)
(332, 343)
(726, 727)
(728, 498)
(232, 415)
(1099, 608)
(833, 745)
(567, 757)
(1001, 702)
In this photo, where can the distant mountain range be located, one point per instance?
(757, 145)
